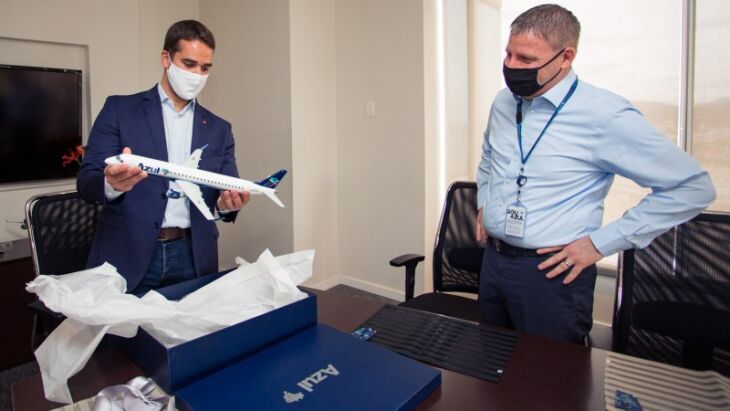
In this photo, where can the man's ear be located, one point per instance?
(165, 59)
(568, 57)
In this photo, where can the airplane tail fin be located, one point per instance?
(273, 180)
(272, 195)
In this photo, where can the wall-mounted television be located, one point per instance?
(40, 123)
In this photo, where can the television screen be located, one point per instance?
(40, 123)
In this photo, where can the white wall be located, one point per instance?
(249, 86)
(117, 39)
(485, 75)
(314, 136)
(379, 54)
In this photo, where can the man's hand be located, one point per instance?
(481, 232)
(231, 200)
(575, 256)
(122, 177)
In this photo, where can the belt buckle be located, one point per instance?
(170, 234)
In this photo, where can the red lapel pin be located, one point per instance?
(205, 122)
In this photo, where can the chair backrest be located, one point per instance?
(61, 227)
(673, 297)
(457, 256)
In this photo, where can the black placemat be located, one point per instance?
(475, 350)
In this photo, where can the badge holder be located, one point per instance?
(516, 212)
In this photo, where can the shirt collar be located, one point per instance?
(556, 94)
(166, 101)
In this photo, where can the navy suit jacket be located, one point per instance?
(127, 233)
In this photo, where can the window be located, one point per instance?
(710, 119)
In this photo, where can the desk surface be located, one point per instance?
(542, 374)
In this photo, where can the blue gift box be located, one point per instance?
(172, 368)
(317, 369)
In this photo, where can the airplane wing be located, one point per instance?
(192, 191)
(195, 157)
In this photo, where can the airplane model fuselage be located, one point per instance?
(188, 177)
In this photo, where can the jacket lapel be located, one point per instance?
(153, 112)
(200, 127)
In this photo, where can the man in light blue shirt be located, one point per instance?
(551, 150)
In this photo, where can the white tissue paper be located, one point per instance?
(95, 303)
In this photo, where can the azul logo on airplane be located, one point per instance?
(150, 169)
(154, 170)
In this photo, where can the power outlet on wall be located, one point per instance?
(369, 108)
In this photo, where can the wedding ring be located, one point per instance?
(567, 264)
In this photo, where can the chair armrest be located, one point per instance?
(39, 308)
(406, 260)
(409, 261)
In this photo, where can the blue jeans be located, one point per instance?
(513, 293)
(172, 263)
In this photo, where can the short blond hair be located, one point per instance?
(552, 23)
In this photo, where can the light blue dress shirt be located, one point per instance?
(179, 138)
(596, 135)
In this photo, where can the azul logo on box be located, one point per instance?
(309, 384)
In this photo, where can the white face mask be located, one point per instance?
(187, 85)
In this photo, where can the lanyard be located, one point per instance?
(522, 180)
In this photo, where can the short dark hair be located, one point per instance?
(552, 23)
(187, 30)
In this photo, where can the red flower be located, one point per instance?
(76, 154)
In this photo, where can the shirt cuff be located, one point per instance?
(109, 192)
(608, 240)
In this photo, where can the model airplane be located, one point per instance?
(188, 177)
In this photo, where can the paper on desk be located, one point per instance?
(95, 303)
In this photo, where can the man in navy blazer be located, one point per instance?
(148, 231)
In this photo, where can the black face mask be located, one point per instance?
(523, 81)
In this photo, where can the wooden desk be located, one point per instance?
(542, 374)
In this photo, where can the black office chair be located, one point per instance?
(457, 258)
(673, 297)
(61, 227)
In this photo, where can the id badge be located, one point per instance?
(515, 221)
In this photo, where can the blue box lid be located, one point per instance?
(175, 367)
(317, 369)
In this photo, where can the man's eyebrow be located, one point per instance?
(524, 56)
(195, 62)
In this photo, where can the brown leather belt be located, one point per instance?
(173, 233)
